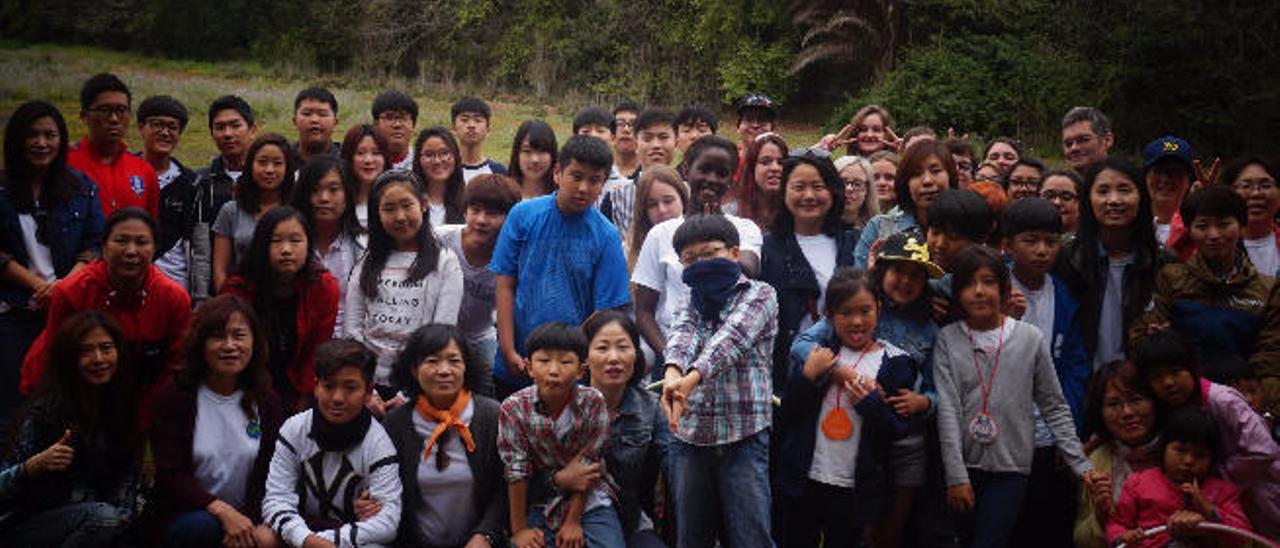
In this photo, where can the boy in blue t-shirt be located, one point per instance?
(557, 259)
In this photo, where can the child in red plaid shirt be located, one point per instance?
(552, 425)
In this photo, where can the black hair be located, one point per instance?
(784, 221)
(335, 354)
(846, 282)
(1164, 350)
(626, 106)
(696, 113)
(960, 147)
(247, 194)
(469, 104)
(1030, 214)
(97, 85)
(541, 138)
(585, 150)
(427, 340)
(492, 192)
(912, 164)
(59, 182)
(1194, 426)
(380, 242)
(1123, 375)
(1228, 368)
(231, 102)
(974, 258)
(1024, 161)
(309, 178)
(454, 187)
(163, 105)
(1232, 169)
(557, 336)
(651, 117)
(963, 212)
(210, 321)
(131, 213)
(316, 93)
(255, 265)
(708, 142)
(393, 100)
(1144, 231)
(1070, 174)
(919, 310)
(1215, 201)
(605, 316)
(704, 228)
(592, 116)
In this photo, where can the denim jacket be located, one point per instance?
(638, 442)
(76, 235)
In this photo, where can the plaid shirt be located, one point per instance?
(734, 356)
(622, 205)
(527, 441)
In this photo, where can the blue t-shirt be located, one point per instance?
(566, 267)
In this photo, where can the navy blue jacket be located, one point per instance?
(1066, 347)
(798, 421)
(76, 234)
(783, 266)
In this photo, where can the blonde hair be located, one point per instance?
(870, 203)
(640, 223)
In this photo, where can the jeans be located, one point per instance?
(600, 526)
(195, 529)
(1048, 516)
(484, 351)
(823, 511)
(84, 524)
(722, 485)
(991, 522)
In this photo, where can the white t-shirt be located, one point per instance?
(820, 252)
(41, 259)
(1263, 254)
(406, 163)
(1111, 321)
(340, 259)
(435, 214)
(223, 446)
(478, 316)
(174, 261)
(658, 266)
(835, 461)
(1039, 313)
(448, 496)
(1163, 231)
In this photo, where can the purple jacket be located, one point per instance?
(1250, 458)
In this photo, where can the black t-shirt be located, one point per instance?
(282, 333)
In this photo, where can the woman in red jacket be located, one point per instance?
(282, 277)
(152, 310)
(214, 432)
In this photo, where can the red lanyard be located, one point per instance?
(991, 382)
(870, 346)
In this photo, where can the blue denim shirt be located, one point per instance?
(75, 233)
(638, 442)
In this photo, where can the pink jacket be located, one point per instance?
(1149, 498)
(1249, 456)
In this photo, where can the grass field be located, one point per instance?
(54, 74)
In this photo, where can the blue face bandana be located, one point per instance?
(711, 283)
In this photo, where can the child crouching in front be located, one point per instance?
(991, 372)
(328, 456)
(837, 430)
(541, 429)
(1180, 493)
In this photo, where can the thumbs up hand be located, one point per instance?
(54, 459)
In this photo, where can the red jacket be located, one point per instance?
(1149, 498)
(317, 312)
(129, 181)
(154, 321)
(1180, 238)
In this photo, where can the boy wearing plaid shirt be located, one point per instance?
(546, 427)
(717, 391)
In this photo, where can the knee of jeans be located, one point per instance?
(194, 529)
(100, 515)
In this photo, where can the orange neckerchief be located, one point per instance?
(445, 419)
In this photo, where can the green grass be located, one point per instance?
(54, 73)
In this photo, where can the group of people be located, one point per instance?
(647, 335)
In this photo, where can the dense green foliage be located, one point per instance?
(1207, 70)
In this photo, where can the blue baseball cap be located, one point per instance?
(1167, 147)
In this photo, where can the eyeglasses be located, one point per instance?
(1116, 406)
(107, 111)
(621, 123)
(1055, 195)
(1024, 183)
(1081, 140)
(162, 127)
(1257, 185)
(437, 156)
(856, 186)
(692, 256)
(394, 118)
